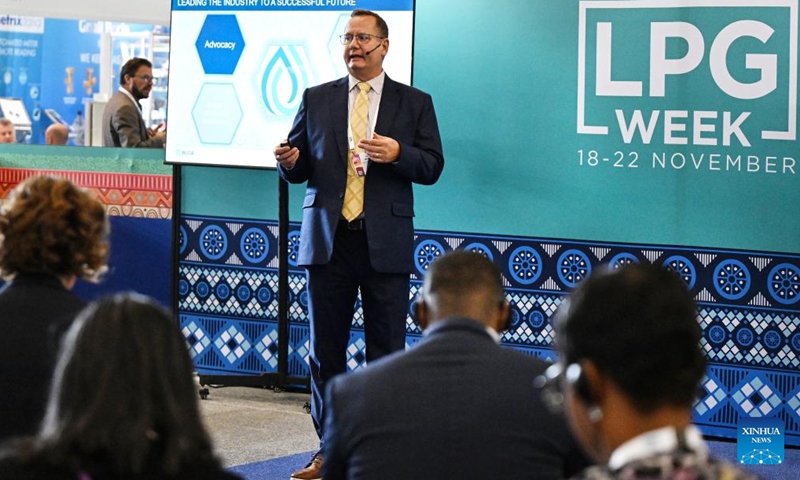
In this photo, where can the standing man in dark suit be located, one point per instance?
(456, 405)
(358, 230)
(123, 125)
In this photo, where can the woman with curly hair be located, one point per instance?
(122, 405)
(51, 234)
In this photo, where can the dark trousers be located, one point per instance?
(332, 293)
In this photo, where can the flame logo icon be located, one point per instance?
(284, 79)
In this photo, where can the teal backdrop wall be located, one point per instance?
(503, 75)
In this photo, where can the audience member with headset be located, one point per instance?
(51, 234)
(123, 404)
(630, 367)
(457, 404)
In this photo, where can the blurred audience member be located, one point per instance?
(51, 233)
(123, 404)
(630, 367)
(8, 133)
(457, 404)
(56, 134)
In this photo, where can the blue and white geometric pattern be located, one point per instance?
(748, 307)
(478, 247)
(574, 266)
(622, 259)
(356, 351)
(534, 326)
(761, 339)
(784, 283)
(793, 402)
(196, 338)
(254, 245)
(427, 251)
(713, 396)
(298, 305)
(232, 344)
(731, 279)
(299, 348)
(757, 397)
(524, 264)
(683, 267)
(267, 347)
(228, 290)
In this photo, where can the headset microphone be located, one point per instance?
(367, 53)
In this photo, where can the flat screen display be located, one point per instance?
(238, 69)
(14, 110)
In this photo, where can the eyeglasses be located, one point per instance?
(362, 38)
(146, 78)
(550, 385)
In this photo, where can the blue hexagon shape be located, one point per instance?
(217, 113)
(220, 44)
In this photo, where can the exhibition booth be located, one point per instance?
(59, 63)
(64, 71)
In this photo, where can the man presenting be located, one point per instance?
(360, 142)
(123, 125)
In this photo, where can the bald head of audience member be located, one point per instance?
(7, 132)
(463, 284)
(56, 134)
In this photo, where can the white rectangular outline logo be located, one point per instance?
(791, 131)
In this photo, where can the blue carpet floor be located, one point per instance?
(280, 468)
(273, 469)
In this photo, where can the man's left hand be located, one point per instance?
(380, 149)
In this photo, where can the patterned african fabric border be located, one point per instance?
(748, 307)
(123, 194)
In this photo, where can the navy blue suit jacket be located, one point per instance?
(456, 405)
(320, 133)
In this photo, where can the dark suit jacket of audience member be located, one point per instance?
(11, 470)
(35, 310)
(456, 405)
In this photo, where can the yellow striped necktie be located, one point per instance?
(354, 192)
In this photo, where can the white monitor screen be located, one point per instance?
(238, 69)
(14, 110)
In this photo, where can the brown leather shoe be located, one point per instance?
(312, 471)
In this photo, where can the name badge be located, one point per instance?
(358, 165)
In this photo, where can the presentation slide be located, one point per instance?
(238, 69)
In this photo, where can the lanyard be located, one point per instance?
(370, 124)
(359, 165)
